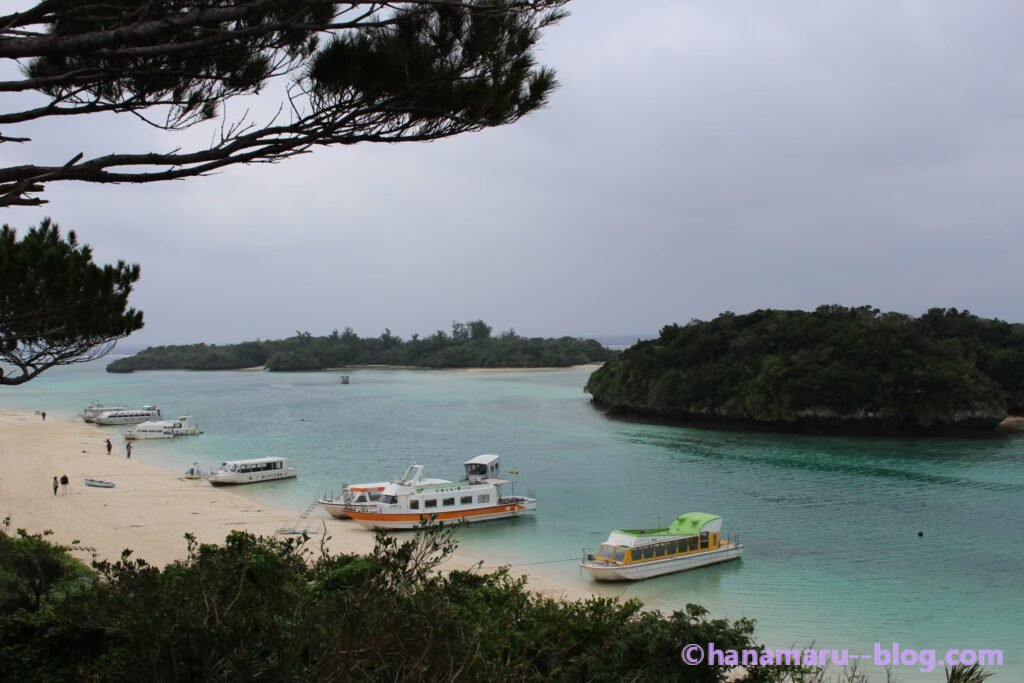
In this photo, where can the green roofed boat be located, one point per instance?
(692, 540)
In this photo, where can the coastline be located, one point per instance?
(541, 368)
(151, 508)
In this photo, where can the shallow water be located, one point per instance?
(830, 524)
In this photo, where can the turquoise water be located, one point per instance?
(830, 524)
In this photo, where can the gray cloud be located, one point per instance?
(699, 157)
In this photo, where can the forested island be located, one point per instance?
(834, 369)
(470, 345)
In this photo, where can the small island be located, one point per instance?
(470, 345)
(836, 369)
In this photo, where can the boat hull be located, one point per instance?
(407, 520)
(336, 510)
(233, 478)
(99, 483)
(145, 436)
(123, 420)
(600, 571)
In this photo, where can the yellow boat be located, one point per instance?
(692, 540)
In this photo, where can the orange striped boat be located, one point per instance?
(410, 500)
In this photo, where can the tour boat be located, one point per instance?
(127, 416)
(251, 471)
(410, 500)
(359, 496)
(692, 540)
(95, 408)
(163, 429)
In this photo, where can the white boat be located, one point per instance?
(163, 429)
(692, 540)
(406, 502)
(196, 472)
(252, 471)
(127, 416)
(99, 483)
(95, 408)
(358, 496)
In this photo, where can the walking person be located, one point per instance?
(63, 484)
(109, 446)
(55, 485)
(128, 450)
(44, 416)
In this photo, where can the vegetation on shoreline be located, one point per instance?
(836, 368)
(268, 609)
(469, 345)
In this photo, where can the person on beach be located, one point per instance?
(63, 484)
(55, 485)
(44, 416)
(110, 446)
(128, 450)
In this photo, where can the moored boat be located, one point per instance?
(692, 540)
(409, 501)
(252, 471)
(358, 496)
(90, 413)
(99, 483)
(127, 416)
(164, 429)
(196, 472)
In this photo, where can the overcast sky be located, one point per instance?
(700, 156)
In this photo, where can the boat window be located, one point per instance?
(635, 553)
(703, 539)
(466, 500)
(648, 552)
(432, 503)
(483, 498)
(692, 542)
(234, 468)
(278, 465)
(448, 501)
(659, 550)
(388, 500)
(375, 495)
(620, 554)
(414, 505)
(361, 498)
(605, 551)
(671, 547)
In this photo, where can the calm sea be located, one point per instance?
(830, 524)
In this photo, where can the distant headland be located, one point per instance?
(470, 345)
(836, 369)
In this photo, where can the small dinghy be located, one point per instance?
(99, 483)
(196, 472)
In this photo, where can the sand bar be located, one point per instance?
(150, 508)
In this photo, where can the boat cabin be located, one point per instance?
(255, 465)
(692, 533)
(482, 468)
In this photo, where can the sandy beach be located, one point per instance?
(151, 508)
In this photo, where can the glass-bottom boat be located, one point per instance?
(692, 540)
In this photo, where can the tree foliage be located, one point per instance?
(470, 345)
(56, 306)
(360, 72)
(836, 367)
(266, 609)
